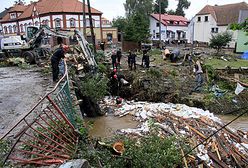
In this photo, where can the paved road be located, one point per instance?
(19, 91)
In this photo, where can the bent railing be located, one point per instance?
(46, 134)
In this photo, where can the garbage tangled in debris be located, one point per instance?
(213, 146)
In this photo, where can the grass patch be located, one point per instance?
(221, 64)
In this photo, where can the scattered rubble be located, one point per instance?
(215, 146)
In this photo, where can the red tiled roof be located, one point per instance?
(51, 6)
(224, 14)
(14, 8)
(166, 19)
(17, 8)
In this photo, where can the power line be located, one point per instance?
(244, 108)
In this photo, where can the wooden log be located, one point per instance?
(217, 161)
(184, 159)
(196, 131)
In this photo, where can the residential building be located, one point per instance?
(242, 36)
(216, 19)
(173, 27)
(106, 22)
(2, 14)
(57, 14)
(109, 33)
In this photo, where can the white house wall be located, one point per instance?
(202, 29)
(154, 29)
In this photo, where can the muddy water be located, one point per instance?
(239, 124)
(106, 126)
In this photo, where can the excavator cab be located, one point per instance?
(31, 32)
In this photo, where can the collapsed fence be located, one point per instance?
(46, 134)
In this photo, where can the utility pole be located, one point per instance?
(160, 24)
(91, 28)
(84, 20)
(193, 35)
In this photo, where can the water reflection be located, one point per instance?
(239, 124)
(106, 126)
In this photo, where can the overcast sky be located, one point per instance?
(114, 8)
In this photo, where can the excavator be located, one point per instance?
(30, 46)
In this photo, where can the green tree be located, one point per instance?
(171, 12)
(137, 28)
(181, 6)
(164, 5)
(138, 6)
(120, 22)
(220, 40)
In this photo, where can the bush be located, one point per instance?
(94, 86)
(100, 56)
(155, 73)
(220, 40)
(102, 68)
(150, 151)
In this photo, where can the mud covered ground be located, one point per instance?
(175, 82)
(20, 89)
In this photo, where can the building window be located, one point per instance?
(184, 35)
(206, 18)
(45, 22)
(5, 30)
(14, 29)
(171, 22)
(30, 24)
(167, 34)
(72, 22)
(157, 24)
(173, 35)
(199, 19)
(57, 23)
(214, 30)
(21, 28)
(157, 35)
(153, 31)
(12, 16)
(36, 23)
(10, 29)
(25, 27)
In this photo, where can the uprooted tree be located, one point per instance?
(220, 40)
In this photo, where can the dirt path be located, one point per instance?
(19, 91)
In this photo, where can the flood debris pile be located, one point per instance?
(213, 148)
